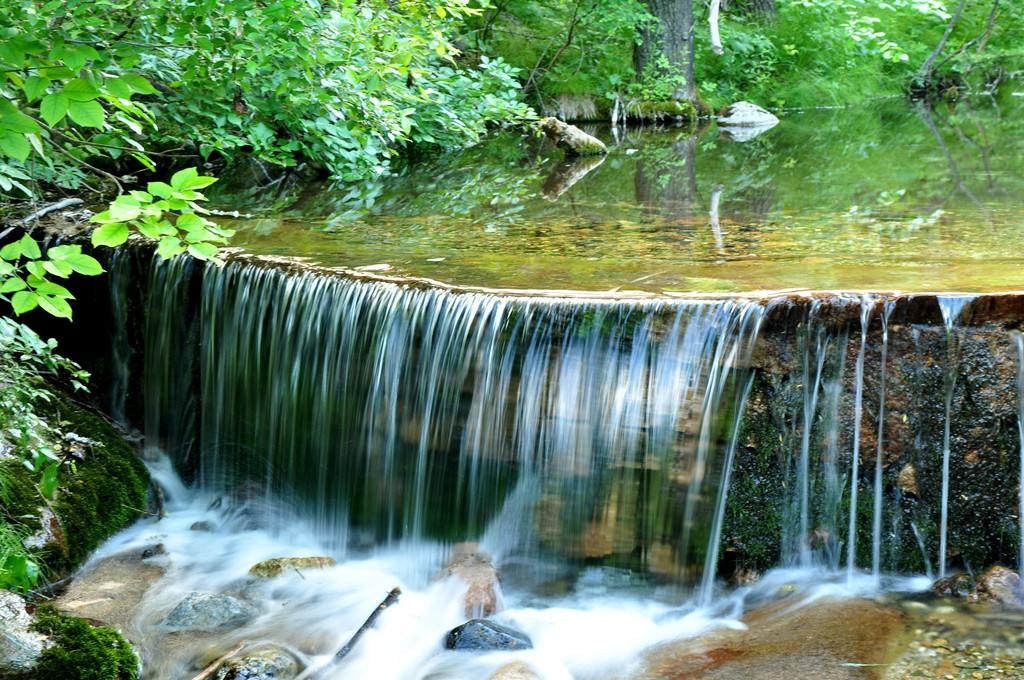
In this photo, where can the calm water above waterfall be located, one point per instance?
(883, 198)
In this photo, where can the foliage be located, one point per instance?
(81, 651)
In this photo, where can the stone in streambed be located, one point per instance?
(514, 671)
(474, 568)
(208, 612)
(279, 565)
(997, 585)
(955, 585)
(481, 635)
(20, 646)
(268, 662)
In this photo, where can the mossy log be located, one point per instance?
(572, 140)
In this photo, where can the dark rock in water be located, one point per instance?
(956, 585)
(481, 635)
(153, 551)
(266, 663)
(208, 611)
(203, 525)
(998, 585)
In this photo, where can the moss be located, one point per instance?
(97, 498)
(82, 652)
(106, 492)
(655, 110)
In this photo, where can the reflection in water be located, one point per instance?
(867, 199)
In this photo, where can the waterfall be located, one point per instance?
(120, 348)
(866, 307)
(548, 428)
(952, 308)
(876, 524)
(1019, 339)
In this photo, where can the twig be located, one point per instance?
(209, 670)
(392, 597)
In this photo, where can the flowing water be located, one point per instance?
(601, 448)
(1019, 341)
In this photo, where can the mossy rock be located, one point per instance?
(278, 565)
(102, 494)
(81, 651)
(664, 110)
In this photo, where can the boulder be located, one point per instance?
(745, 114)
(267, 662)
(279, 565)
(514, 671)
(955, 585)
(20, 646)
(998, 585)
(481, 635)
(474, 567)
(572, 140)
(208, 612)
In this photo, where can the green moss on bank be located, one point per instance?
(82, 652)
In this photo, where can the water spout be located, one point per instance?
(867, 305)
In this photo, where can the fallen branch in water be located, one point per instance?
(392, 597)
(209, 670)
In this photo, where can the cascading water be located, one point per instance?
(1019, 341)
(867, 306)
(952, 307)
(876, 524)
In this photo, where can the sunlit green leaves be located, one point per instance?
(54, 107)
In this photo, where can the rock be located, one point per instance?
(955, 585)
(208, 612)
(998, 585)
(514, 671)
(20, 646)
(572, 140)
(268, 662)
(907, 480)
(279, 565)
(203, 525)
(481, 635)
(153, 551)
(473, 567)
(745, 114)
(50, 532)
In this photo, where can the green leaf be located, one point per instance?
(53, 107)
(11, 251)
(14, 120)
(85, 264)
(15, 145)
(58, 268)
(87, 114)
(203, 251)
(48, 482)
(112, 235)
(189, 221)
(123, 212)
(119, 88)
(169, 247)
(160, 189)
(81, 90)
(51, 289)
(181, 179)
(55, 305)
(29, 247)
(24, 301)
(138, 84)
(35, 87)
(12, 285)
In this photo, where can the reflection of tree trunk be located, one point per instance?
(566, 173)
(954, 170)
(663, 187)
(671, 38)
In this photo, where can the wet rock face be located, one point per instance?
(280, 565)
(474, 567)
(514, 671)
(208, 612)
(20, 647)
(998, 585)
(481, 635)
(266, 663)
(957, 586)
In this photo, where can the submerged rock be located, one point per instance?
(481, 635)
(572, 140)
(20, 646)
(474, 567)
(279, 565)
(514, 671)
(268, 662)
(208, 611)
(997, 585)
(955, 585)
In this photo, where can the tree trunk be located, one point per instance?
(750, 6)
(671, 38)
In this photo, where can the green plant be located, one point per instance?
(81, 651)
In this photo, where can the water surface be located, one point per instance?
(887, 197)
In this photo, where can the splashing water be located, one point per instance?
(876, 524)
(867, 305)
